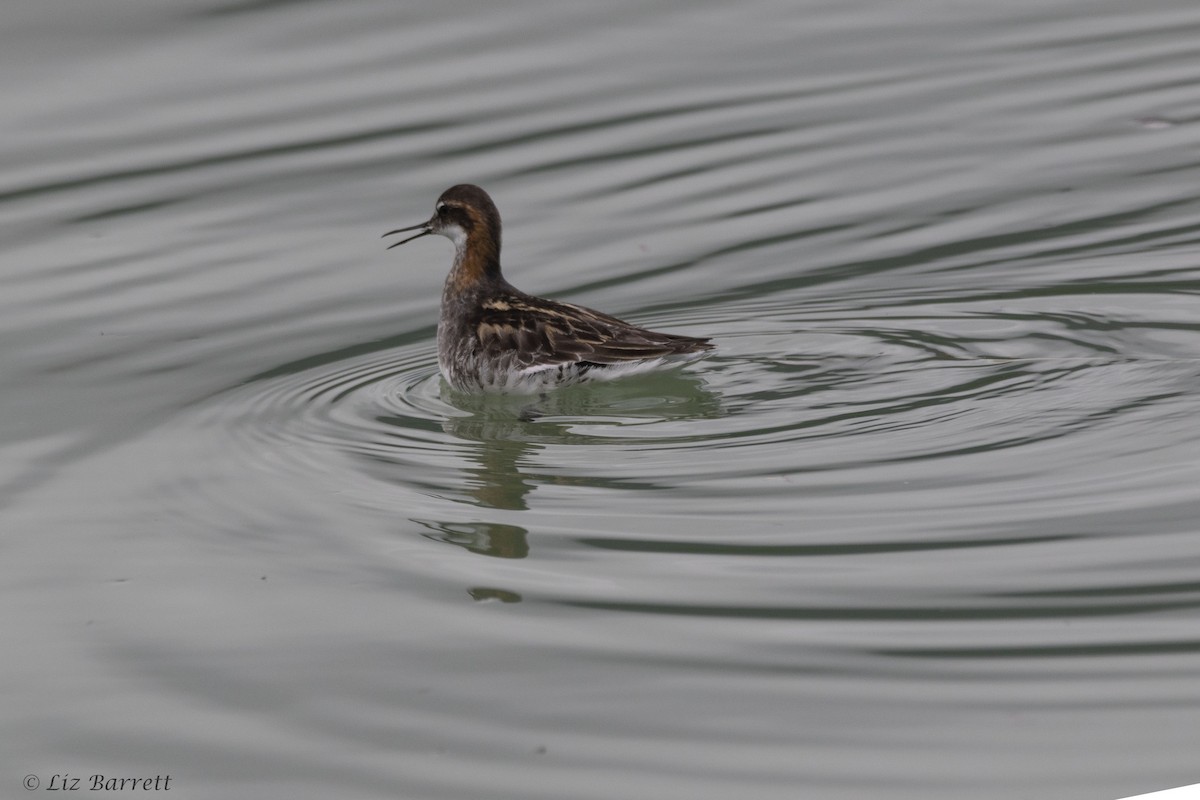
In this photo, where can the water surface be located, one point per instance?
(924, 526)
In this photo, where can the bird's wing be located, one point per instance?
(540, 334)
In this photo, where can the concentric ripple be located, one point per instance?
(889, 402)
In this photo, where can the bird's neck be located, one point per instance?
(476, 262)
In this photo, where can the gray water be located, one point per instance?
(927, 525)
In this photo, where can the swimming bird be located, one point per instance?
(491, 336)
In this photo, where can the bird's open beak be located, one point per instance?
(425, 229)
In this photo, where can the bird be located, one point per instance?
(492, 337)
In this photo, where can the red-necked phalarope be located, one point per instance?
(494, 337)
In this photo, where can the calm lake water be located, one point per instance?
(927, 525)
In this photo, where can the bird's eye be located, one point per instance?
(441, 209)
